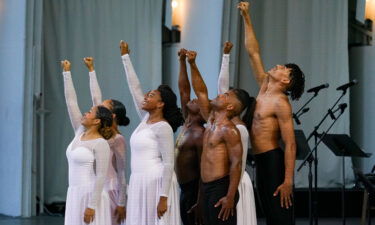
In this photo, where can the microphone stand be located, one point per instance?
(314, 134)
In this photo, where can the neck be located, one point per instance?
(91, 131)
(275, 87)
(193, 120)
(220, 116)
(237, 120)
(155, 116)
(115, 127)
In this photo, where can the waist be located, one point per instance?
(220, 181)
(146, 166)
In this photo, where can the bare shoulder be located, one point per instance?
(230, 129)
(282, 105)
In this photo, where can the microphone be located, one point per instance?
(295, 117)
(347, 85)
(342, 107)
(318, 88)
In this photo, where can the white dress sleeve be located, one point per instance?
(166, 146)
(134, 85)
(75, 114)
(101, 154)
(223, 81)
(119, 150)
(96, 93)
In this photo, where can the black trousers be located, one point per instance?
(213, 192)
(270, 172)
(188, 197)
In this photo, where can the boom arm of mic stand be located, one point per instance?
(320, 140)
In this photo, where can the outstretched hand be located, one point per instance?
(285, 190)
(227, 47)
(65, 64)
(182, 54)
(191, 55)
(124, 48)
(243, 7)
(227, 207)
(89, 62)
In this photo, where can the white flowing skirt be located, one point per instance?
(246, 211)
(77, 200)
(143, 198)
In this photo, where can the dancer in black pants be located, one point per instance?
(273, 121)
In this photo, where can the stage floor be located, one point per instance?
(49, 220)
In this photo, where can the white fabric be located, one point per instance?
(223, 80)
(88, 166)
(116, 181)
(76, 29)
(312, 34)
(246, 211)
(152, 163)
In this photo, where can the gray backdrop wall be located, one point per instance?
(76, 29)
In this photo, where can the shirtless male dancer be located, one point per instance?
(189, 149)
(222, 151)
(273, 121)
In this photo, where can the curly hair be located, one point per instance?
(106, 120)
(297, 81)
(171, 112)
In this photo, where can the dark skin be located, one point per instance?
(190, 140)
(222, 148)
(273, 113)
(152, 104)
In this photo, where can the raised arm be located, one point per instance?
(133, 81)
(74, 112)
(101, 154)
(96, 93)
(199, 86)
(284, 118)
(233, 144)
(252, 45)
(223, 80)
(183, 82)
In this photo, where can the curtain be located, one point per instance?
(76, 29)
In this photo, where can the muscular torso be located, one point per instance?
(265, 130)
(215, 159)
(187, 157)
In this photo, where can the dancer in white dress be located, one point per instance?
(115, 183)
(88, 160)
(246, 211)
(153, 197)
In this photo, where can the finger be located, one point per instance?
(227, 213)
(232, 212)
(220, 213)
(218, 204)
(290, 200)
(276, 192)
(282, 200)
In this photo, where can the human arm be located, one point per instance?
(223, 80)
(183, 82)
(96, 93)
(199, 86)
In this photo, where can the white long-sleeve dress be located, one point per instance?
(115, 183)
(152, 165)
(246, 211)
(88, 165)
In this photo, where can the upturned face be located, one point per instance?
(280, 73)
(193, 106)
(89, 118)
(152, 100)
